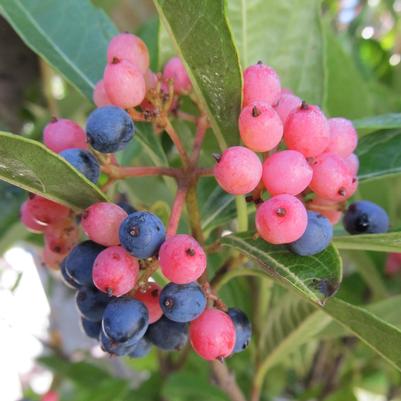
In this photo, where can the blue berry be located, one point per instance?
(125, 319)
(243, 329)
(91, 303)
(316, 238)
(79, 262)
(126, 206)
(364, 217)
(67, 279)
(90, 328)
(168, 335)
(109, 129)
(115, 348)
(141, 348)
(84, 162)
(182, 302)
(142, 234)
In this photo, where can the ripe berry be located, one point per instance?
(124, 84)
(115, 348)
(109, 129)
(126, 46)
(150, 298)
(91, 329)
(100, 97)
(141, 234)
(62, 134)
(281, 219)
(261, 83)
(84, 162)
(327, 208)
(91, 303)
(29, 221)
(307, 131)
(168, 335)
(286, 105)
(243, 329)
(238, 170)
(115, 271)
(332, 180)
(101, 222)
(125, 319)
(45, 211)
(212, 335)
(343, 137)
(175, 70)
(260, 127)
(286, 172)
(316, 238)
(364, 217)
(141, 348)
(67, 279)
(182, 259)
(352, 163)
(182, 302)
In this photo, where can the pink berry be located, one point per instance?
(238, 170)
(61, 134)
(124, 84)
(28, 220)
(175, 70)
(281, 219)
(286, 105)
(126, 46)
(343, 137)
(326, 208)
(332, 179)
(261, 83)
(45, 211)
(115, 271)
(101, 222)
(286, 91)
(307, 131)
(393, 264)
(286, 172)
(150, 80)
(150, 298)
(182, 259)
(50, 396)
(260, 127)
(100, 97)
(61, 236)
(212, 335)
(51, 259)
(352, 163)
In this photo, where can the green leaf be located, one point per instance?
(76, 47)
(389, 242)
(203, 40)
(386, 121)
(315, 277)
(149, 33)
(30, 165)
(10, 203)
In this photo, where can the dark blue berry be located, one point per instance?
(168, 335)
(182, 302)
(126, 206)
(90, 328)
(91, 303)
(67, 279)
(125, 319)
(84, 162)
(364, 217)
(243, 329)
(142, 234)
(316, 238)
(141, 348)
(109, 129)
(115, 348)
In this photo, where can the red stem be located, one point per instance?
(176, 210)
(177, 142)
(201, 128)
(122, 172)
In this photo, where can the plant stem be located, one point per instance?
(226, 381)
(201, 128)
(242, 213)
(177, 142)
(194, 214)
(176, 210)
(204, 171)
(116, 172)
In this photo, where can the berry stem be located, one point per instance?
(177, 142)
(204, 172)
(242, 213)
(176, 210)
(201, 128)
(117, 172)
(226, 381)
(182, 115)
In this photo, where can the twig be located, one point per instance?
(226, 381)
(176, 210)
(177, 142)
(117, 173)
(201, 128)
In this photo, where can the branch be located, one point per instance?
(226, 381)
(176, 210)
(201, 128)
(177, 142)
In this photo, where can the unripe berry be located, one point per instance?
(61, 134)
(101, 223)
(260, 127)
(352, 163)
(212, 335)
(307, 131)
(100, 97)
(327, 208)
(281, 219)
(182, 259)
(175, 70)
(50, 396)
(343, 137)
(29, 221)
(61, 236)
(45, 211)
(238, 170)
(150, 298)
(150, 80)
(51, 259)
(286, 105)
(261, 83)
(393, 264)
(286, 172)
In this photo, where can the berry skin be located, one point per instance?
(91, 303)
(101, 222)
(50, 396)
(261, 83)
(141, 348)
(243, 329)
(343, 137)
(352, 163)
(175, 70)
(212, 335)
(84, 162)
(182, 259)
(51, 259)
(115, 348)
(393, 264)
(100, 97)
(29, 221)
(125, 85)
(150, 298)
(316, 238)
(68, 281)
(126, 46)
(260, 127)
(168, 335)
(364, 217)
(141, 234)
(45, 211)
(62, 236)
(109, 129)
(125, 319)
(281, 219)
(91, 329)
(332, 179)
(115, 271)
(150, 80)
(238, 170)
(328, 209)
(307, 131)
(286, 172)
(182, 302)
(286, 105)
(62, 134)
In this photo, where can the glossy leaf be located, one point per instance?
(386, 121)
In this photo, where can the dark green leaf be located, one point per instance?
(389, 242)
(10, 203)
(386, 121)
(149, 32)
